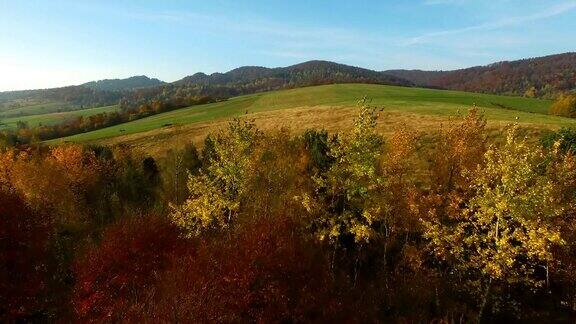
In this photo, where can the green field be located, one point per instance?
(398, 99)
(53, 118)
(36, 108)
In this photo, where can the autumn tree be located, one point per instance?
(346, 201)
(564, 106)
(216, 192)
(175, 168)
(504, 236)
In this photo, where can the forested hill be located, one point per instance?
(79, 96)
(258, 78)
(252, 79)
(131, 83)
(535, 77)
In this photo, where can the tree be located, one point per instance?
(564, 106)
(459, 148)
(345, 202)
(216, 192)
(504, 235)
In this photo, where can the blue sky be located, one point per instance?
(55, 43)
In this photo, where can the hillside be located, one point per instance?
(304, 74)
(535, 77)
(53, 118)
(325, 107)
(131, 83)
(66, 98)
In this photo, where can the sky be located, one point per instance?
(53, 43)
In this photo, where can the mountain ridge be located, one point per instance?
(130, 83)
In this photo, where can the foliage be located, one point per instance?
(215, 193)
(264, 272)
(175, 168)
(345, 201)
(422, 227)
(565, 137)
(564, 106)
(546, 76)
(114, 277)
(318, 144)
(505, 234)
(459, 149)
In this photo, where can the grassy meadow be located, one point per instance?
(54, 117)
(36, 108)
(330, 107)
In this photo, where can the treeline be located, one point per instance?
(270, 227)
(546, 77)
(128, 112)
(79, 96)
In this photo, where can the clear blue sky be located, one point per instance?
(54, 42)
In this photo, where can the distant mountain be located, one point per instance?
(539, 77)
(131, 83)
(256, 78)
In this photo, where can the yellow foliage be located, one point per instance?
(505, 233)
(564, 106)
(216, 193)
(347, 195)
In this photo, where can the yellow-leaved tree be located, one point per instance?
(216, 192)
(504, 235)
(346, 199)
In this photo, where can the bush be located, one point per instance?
(565, 137)
(115, 278)
(564, 106)
(264, 272)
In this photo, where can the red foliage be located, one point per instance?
(266, 272)
(114, 279)
(23, 254)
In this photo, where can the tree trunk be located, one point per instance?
(484, 301)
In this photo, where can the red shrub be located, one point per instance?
(115, 279)
(267, 272)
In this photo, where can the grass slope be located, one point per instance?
(35, 108)
(393, 99)
(53, 118)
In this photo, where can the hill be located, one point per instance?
(328, 106)
(53, 118)
(62, 99)
(131, 83)
(534, 77)
(256, 78)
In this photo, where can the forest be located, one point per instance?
(459, 225)
(544, 77)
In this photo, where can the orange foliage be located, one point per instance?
(459, 149)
